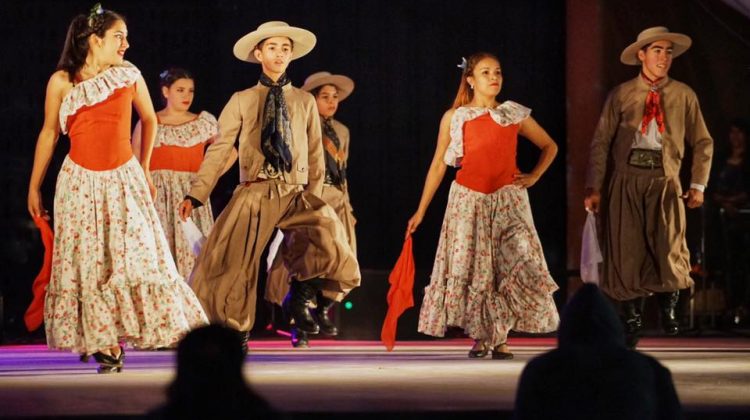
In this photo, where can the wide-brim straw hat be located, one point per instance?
(680, 43)
(343, 84)
(304, 40)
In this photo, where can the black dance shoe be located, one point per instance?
(501, 355)
(481, 349)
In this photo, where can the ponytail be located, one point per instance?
(465, 94)
(81, 28)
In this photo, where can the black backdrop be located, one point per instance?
(402, 56)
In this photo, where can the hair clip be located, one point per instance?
(164, 74)
(95, 11)
(463, 64)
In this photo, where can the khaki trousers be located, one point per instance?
(277, 284)
(644, 243)
(225, 277)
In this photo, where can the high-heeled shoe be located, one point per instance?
(480, 350)
(501, 355)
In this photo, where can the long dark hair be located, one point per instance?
(465, 94)
(77, 41)
(171, 75)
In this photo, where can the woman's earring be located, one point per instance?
(471, 87)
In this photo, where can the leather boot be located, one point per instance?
(299, 339)
(327, 326)
(244, 336)
(631, 310)
(295, 306)
(667, 305)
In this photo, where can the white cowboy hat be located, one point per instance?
(680, 43)
(304, 40)
(343, 84)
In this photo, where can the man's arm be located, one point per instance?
(599, 151)
(217, 154)
(699, 139)
(315, 158)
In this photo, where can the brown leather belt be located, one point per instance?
(645, 158)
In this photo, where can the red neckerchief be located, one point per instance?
(653, 105)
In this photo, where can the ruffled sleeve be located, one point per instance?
(505, 114)
(189, 134)
(97, 89)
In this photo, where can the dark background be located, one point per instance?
(401, 55)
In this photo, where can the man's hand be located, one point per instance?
(186, 208)
(592, 200)
(694, 198)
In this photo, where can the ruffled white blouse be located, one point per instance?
(505, 114)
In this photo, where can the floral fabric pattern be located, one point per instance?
(489, 274)
(505, 114)
(172, 187)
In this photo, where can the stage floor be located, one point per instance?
(712, 375)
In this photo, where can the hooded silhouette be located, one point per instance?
(592, 375)
(209, 382)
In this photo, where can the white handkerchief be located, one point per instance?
(193, 235)
(591, 254)
(273, 249)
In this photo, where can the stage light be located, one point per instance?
(348, 305)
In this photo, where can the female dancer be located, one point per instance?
(489, 274)
(329, 90)
(112, 278)
(181, 139)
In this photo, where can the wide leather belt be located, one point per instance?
(645, 158)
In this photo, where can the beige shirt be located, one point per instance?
(622, 116)
(242, 118)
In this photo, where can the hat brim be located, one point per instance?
(343, 84)
(304, 42)
(680, 44)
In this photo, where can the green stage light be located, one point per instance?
(348, 305)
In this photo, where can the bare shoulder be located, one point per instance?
(60, 80)
(59, 84)
(447, 118)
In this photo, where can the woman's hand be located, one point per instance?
(151, 187)
(525, 180)
(36, 209)
(411, 227)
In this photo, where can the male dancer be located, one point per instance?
(643, 129)
(281, 177)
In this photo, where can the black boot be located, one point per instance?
(631, 310)
(299, 339)
(327, 326)
(244, 336)
(295, 305)
(667, 305)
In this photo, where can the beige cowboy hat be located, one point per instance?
(304, 40)
(680, 43)
(344, 84)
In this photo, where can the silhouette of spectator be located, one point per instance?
(591, 374)
(209, 382)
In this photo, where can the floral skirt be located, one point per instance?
(172, 187)
(112, 276)
(489, 274)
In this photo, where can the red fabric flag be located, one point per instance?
(400, 296)
(35, 313)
